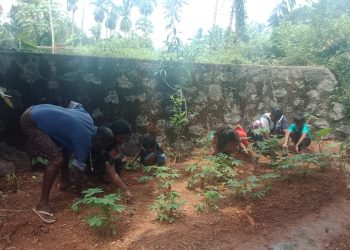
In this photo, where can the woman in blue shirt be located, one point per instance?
(299, 132)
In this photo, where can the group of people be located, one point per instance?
(75, 147)
(68, 138)
(228, 139)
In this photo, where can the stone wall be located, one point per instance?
(115, 87)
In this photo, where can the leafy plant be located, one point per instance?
(40, 160)
(320, 135)
(212, 198)
(12, 182)
(268, 147)
(167, 206)
(102, 208)
(179, 119)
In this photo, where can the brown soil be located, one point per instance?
(304, 212)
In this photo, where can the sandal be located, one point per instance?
(49, 216)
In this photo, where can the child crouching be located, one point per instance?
(299, 132)
(151, 152)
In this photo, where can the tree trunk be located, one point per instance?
(82, 23)
(214, 22)
(215, 12)
(240, 21)
(73, 12)
(52, 32)
(229, 28)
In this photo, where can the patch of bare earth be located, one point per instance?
(304, 211)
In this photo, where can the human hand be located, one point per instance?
(285, 145)
(129, 196)
(297, 149)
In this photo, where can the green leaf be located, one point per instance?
(270, 176)
(95, 221)
(92, 191)
(200, 207)
(144, 179)
(324, 132)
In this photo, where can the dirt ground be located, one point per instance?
(301, 212)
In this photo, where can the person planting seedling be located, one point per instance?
(299, 132)
(151, 152)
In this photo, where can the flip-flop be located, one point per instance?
(41, 214)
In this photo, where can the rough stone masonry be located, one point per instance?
(117, 87)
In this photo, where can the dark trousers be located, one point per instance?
(295, 138)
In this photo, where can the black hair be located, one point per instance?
(225, 135)
(121, 127)
(104, 135)
(299, 118)
(148, 141)
(276, 114)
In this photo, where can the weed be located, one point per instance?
(101, 216)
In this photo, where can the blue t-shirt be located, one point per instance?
(71, 128)
(304, 130)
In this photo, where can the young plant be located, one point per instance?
(101, 209)
(168, 204)
(243, 187)
(212, 199)
(302, 161)
(12, 182)
(178, 120)
(320, 135)
(40, 160)
(268, 147)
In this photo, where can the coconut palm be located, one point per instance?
(281, 10)
(108, 12)
(72, 7)
(237, 13)
(146, 7)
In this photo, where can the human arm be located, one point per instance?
(287, 133)
(303, 136)
(116, 180)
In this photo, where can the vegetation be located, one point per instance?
(317, 33)
(101, 209)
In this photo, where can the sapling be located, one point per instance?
(178, 120)
(212, 198)
(168, 203)
(167, 206)
(101, 208)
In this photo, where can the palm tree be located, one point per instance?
(237, 13)
(126, 23)
(215, 13)
(72, 7)
(281, 10)
(144, 25)
(146, 8)
(108, 12)
(52, 32)
(240, 16)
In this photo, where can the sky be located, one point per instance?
(196, 14)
